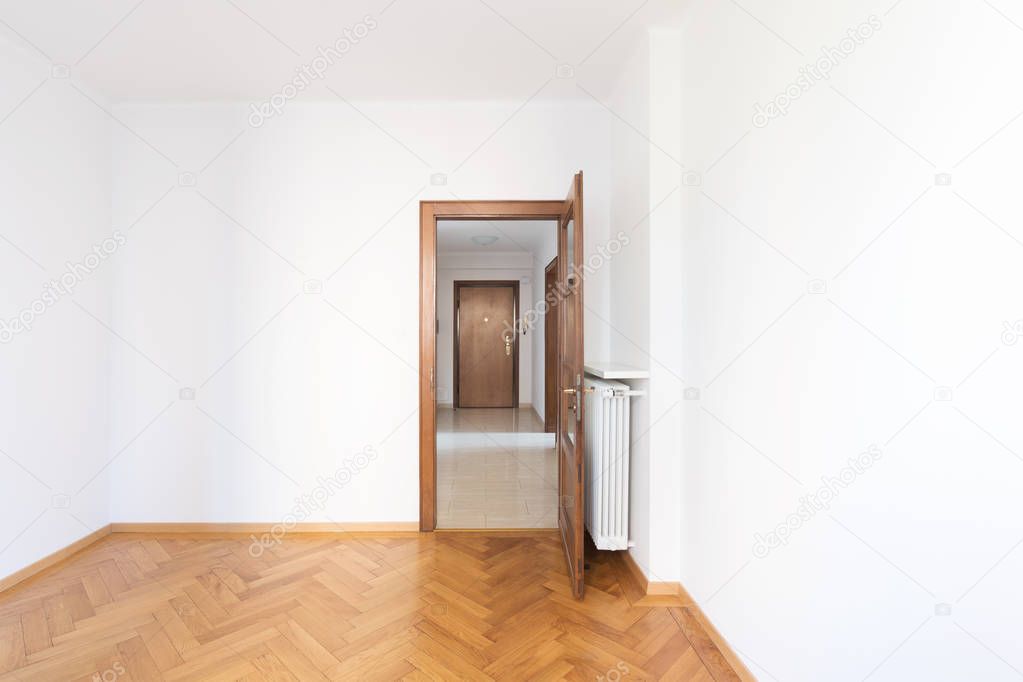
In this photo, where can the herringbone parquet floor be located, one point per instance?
(439, 606)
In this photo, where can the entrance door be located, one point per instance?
(570, 382)
(486, 346)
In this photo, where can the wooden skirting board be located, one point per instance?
(61, 555)
(260, 528)
(683, 606)
(53, 559)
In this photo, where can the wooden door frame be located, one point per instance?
(460, 284)
(550, 327)
(429, 213)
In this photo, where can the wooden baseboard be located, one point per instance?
(382, 528)
(651, 588)
(715, 636)
(673, 594)
(53, 559)
(258, 528)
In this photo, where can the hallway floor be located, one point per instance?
(496, 468)
(440, 606)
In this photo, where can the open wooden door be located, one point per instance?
(570, 384)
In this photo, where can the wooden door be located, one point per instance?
(571, 401)
(486, 344)
(550, 348)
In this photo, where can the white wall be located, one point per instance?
(547, 252)
(918, 280)
(212, 290)
(667, 377)
(55, 198)
(497, 266)
(646, 284)
(629, 322)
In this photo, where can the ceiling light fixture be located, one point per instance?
(484, 239)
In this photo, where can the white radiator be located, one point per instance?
(607, 463)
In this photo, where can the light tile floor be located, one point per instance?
(496, 468)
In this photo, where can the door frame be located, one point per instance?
(460, 284)
(429, 213)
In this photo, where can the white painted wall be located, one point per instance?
(55, 199)
(547, 252)
(667, 378)
(500, 266)
(288, 384)
(646, 285)
(917, 283)
(629, 322)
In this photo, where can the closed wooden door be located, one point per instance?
(571, 401)
(486, 344)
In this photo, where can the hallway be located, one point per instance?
(496, 468)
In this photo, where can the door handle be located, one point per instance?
(508, 344)
(574, 404)
(576, 392)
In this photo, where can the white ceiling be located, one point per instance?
(513, 236)
(245, 49)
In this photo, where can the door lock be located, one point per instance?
(575, 393)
